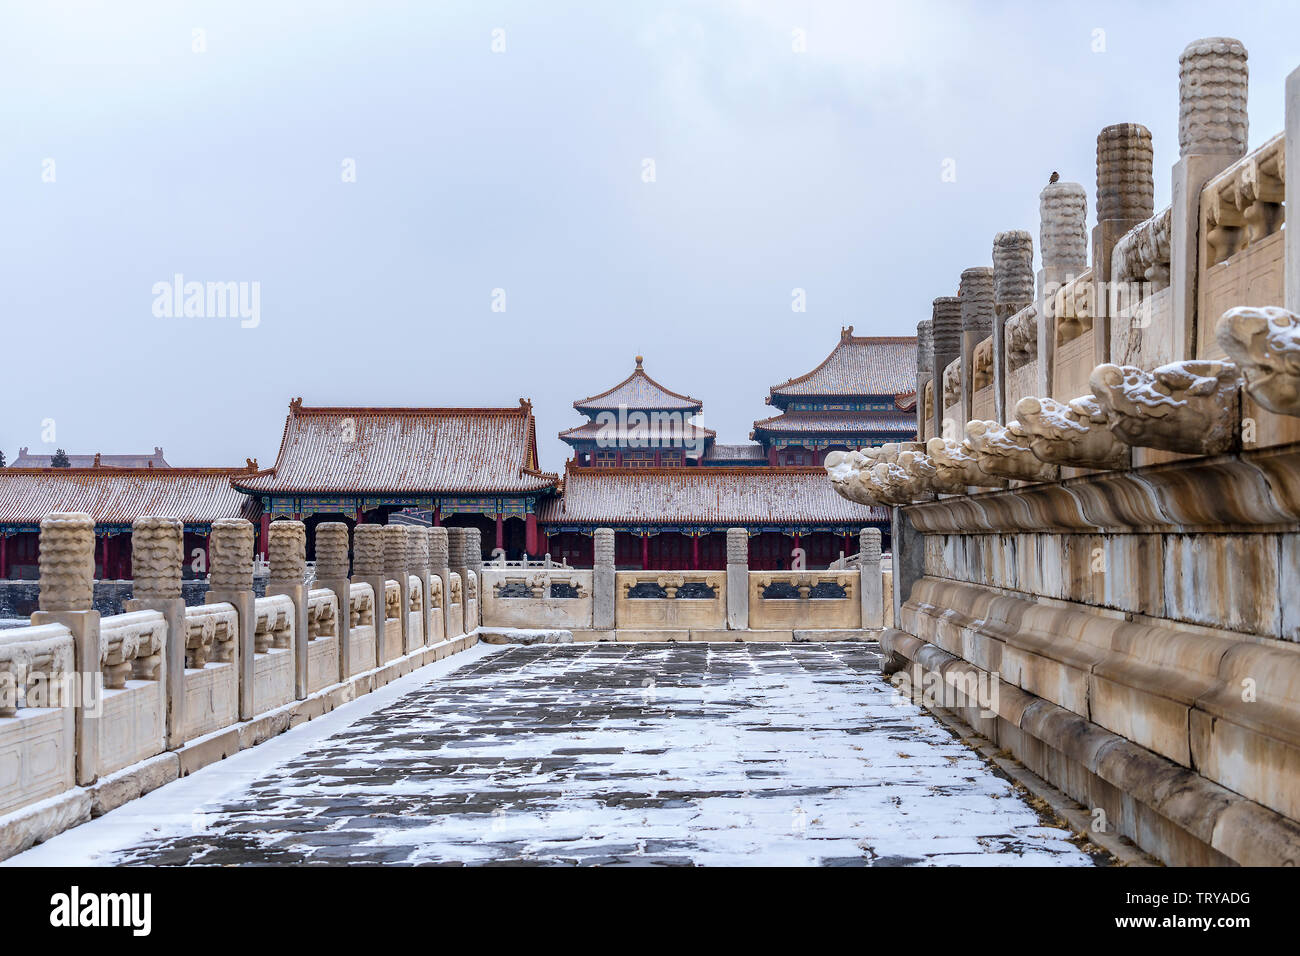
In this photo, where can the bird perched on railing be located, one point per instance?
(1056, 177)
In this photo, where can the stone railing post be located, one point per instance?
(368, 568)
(440, 566)
(456, 559)
(602, 580)
(230, 581)
(1013, 290)
(976, 326)
(1125, 197)
(332, 573)
(473, 561)
(395, 570)
(67, 597)
(924, 374)
(417, 564)
(157, 553)
(1212, 126)
(737, 579)
(1063, 246)
(869, 586)
(945, 337)
(287, 553)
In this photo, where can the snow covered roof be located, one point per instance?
(638, 390)
(839, 423)
(405, 450)
(659, 434)
(120, 495)
(695, 495)
(858, 365)
(27, 460)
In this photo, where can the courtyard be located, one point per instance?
(597, 754)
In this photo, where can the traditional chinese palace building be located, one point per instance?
(642, 464)
(114, 497)
(863, 394)
(463, 466)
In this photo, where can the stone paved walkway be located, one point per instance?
(632, 754)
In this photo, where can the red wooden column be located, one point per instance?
(695, 552)
(103, 559)
(501, 532)
(530, 534)
(266, 533)
(4, 556)
(645, 551)
(437, 516)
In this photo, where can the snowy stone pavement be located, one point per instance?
(626, 754)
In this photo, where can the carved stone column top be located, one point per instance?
(1004, 451)
(1212, 86)
(869, 546)
(368, 552)
(394, 551)
(924, 346)
(1063, 226)
(230, 554)
(438, 548)
(1013, 272)
(977, 300)
(603, 547)
(1187, 407)
(1265, 344)
(945, 327)
(157, 553)
(1074, 434)
(738, 546)
(67, 562)
(1125, 183)
(286, 549)
(417, 547)
(331, 550)
(472, 545)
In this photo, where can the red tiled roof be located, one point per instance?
(859, 365)
(638, 390)
(694, 495)
(405, 451)
(838, 422)
(120, 495)
(27, 460)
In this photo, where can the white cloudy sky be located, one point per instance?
(522, 170)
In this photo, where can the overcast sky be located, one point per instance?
(524, 170)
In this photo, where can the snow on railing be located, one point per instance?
(131, 645)
(322, 613)
(34, 662)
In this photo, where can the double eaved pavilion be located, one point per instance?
(862, 394)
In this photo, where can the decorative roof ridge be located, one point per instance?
(171, 471)
(641, 373)
(846, 338)
(696, 471)
(297, 409)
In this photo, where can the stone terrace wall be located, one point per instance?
(1104, 579)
